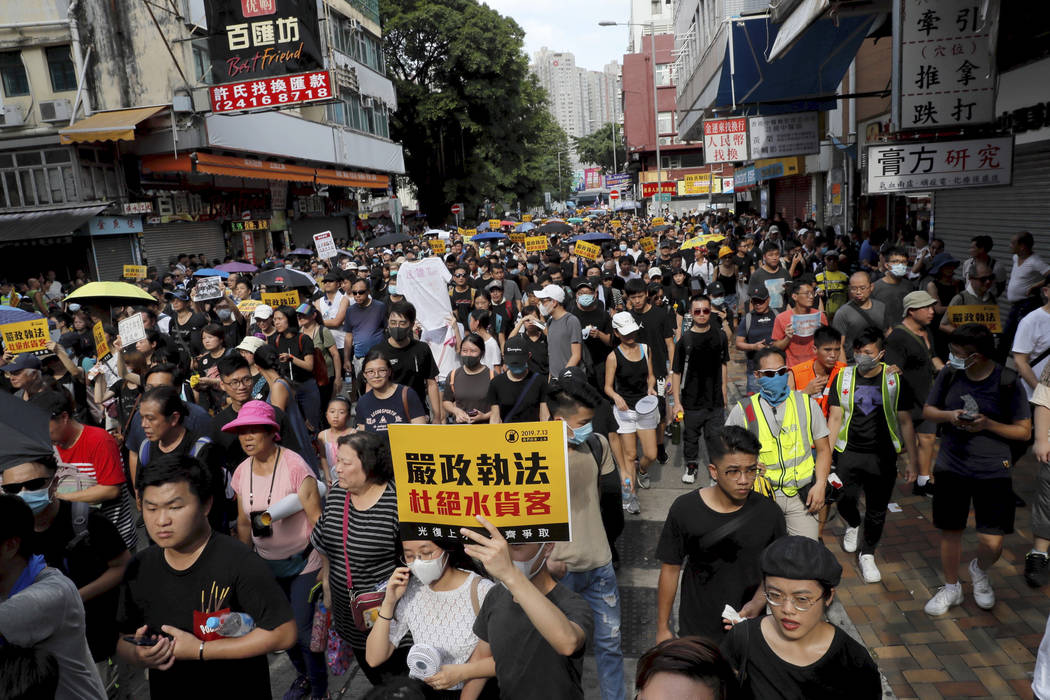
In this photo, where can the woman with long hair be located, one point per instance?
(296, 355)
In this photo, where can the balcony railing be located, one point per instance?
(370, 8)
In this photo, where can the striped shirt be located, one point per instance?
(373, 544)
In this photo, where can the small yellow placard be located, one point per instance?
(247, 307)
(657, 221)
(526, 218)
(985, 314)
(437, 245)
(616, 223)
(135, 272)
(536, 243)
(588, 250)
(648, 244)
(102, 351)
(25, 336)
(287, 298)
(518, 238)
(494, 224)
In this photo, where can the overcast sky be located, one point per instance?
(571, 25)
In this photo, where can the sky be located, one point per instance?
(571, 25)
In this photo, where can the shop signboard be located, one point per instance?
(902, 167)
(725, 140)
(783, 135)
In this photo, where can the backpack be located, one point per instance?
(198, 446)
(610, 501)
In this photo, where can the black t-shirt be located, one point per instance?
(229, 446)
(188, 334)
(539, 357)
(868, 432)
(599, 318)
(845, 670)
(505, 392)
(84, 563)
(155, 594)
(212, 456)
(912, 355)
(657, 327)
(753, 328)
(707, 352)
(233, 333)
(727, 571)
(411, 365)
(527, 666)
(299, 346)
(462, 302)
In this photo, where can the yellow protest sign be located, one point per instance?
(536, 243)
(526, 218)
(518, 238)
(648, 244)
(102, 351)
(494, 224)
(25, 336)
(588, 250)
(657, 221)
(513, 474)
(247, 307)
(985, 314)
(616, 223)
(135, 272)
(286, 298)
(468, 232)
(437, 245)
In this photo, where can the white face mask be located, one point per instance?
(898, 269)
(428, 570)
(545, 310)
(529, 567)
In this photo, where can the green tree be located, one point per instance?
(597, 147)
(473, 121)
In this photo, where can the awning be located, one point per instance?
(211, 164)
(45, 223)
(118, 125)
(805, 14)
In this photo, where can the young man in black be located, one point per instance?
(170, 589)
(722, 529)
(518, 395)
(596, 323)
(657, 332)
(755, 331)
(699, 376)
(411, 361)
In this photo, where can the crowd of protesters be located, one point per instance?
(146, 508)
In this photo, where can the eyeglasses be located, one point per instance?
(804, 294)
(702, 312)
(862, 288)
(772, 372)
(423, 556)
(459, 274)
(31, 485)
(246, 381)
(376, 372)
(800, 603)
(360, 293)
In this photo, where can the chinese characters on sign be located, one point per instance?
(25, 336)
(271, 92)
(536, 244)
(725, 140)
(437, 245)
(250, 225)
(697, 184)
(945, 67)
(985, 314)
(901, 167)
(666, 187)
(514, 474)
(275, 299)
(251, 39)
(135, 272)
(592, 178)
(325, 245)
(588, 250)
(784, 135)
(248, 240)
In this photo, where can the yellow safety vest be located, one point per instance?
(891, 390)
(788, 457)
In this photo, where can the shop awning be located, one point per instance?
(45, 223)
(117, 125)
(211, 164)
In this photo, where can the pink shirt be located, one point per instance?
(801, 346)
(291, 534)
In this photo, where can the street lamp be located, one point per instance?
(656, 111)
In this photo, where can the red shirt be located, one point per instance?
(801, 347)
(96, 454)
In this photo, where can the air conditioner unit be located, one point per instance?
(11, 116)
(352, 24)
(55, 110)
(367, 102)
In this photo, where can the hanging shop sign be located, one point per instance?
(783, 135)
(900, 167)
(666, 187)
(250, 225)
(725, 140)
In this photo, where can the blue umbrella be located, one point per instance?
(10, 314)
(594, 236)
(211, 272)
(527, 226)
(490, 236)
(483, 226)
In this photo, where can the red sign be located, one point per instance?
(725, 140)
(456, 209)
(248, 239)
(666, 187)
(271, 92)
(614, 194)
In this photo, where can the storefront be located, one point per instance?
(114, 244)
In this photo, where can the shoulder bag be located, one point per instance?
(365, 607)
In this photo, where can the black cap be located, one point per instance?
(716, 289)
(178, 294)
(331, 277)
(582, 282)
(759, 291)
(801, 559)
(515, 351)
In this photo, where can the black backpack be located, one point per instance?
(609, 499)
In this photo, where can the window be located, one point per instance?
(60, 66)
(13, 74)
(201, 64)
(39, 177)
(665, 122)
(663, 74)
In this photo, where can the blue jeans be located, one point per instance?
(307, 663)
(599, 588)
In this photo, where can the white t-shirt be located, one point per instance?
(493, 358)
(1024, 275)
(329, 310)
(704, 270)
(1032, 338)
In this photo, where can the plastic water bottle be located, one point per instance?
(234, 624)
(626, 492)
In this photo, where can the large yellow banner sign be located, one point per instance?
(513, 474)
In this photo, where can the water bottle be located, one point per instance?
(626, 492)
(676, 429)
(234, 624)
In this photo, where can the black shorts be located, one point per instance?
(993, 503)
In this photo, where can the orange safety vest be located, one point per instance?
(804, 374)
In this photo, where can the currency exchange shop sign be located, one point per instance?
(725, 140)
(901, 167)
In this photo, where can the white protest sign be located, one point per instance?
(325, 244)
(132, 330)
(207, 288)
(424, 283)
(805, 325)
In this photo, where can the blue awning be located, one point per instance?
(807, 74)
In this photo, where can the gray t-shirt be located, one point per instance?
(49, 615)
(892, 296)
(561, 334)
(850, 322)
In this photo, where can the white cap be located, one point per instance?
(552, 291)
(655, 272)
(263, 311)
(251, 344)
(624, 323)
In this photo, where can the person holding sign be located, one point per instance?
(793, 329)
(186, 324)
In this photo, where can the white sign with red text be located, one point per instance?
(725, 140)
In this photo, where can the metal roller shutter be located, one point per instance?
(791, 196)
(112, 253)
(160, 243)
(303, 230)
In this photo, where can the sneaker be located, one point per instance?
(868, 570)
(946, 597)
(983, 594)
(1036, 569)
(632, 506)
(643, 479)
(661, 455)
(299, 689)
(926, 490)
(849, 540)
(689, 477)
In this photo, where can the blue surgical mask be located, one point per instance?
(531, 266)
(392, 288)
(585, 299)
(718, 301)
(517, 370)
(37, 500)
(959, 362)
(623, 246)
(774, 389)
(898, 270)
(580, 435)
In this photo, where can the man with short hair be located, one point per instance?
(363, 327)
(657, 333)
(411, 360)
(755, 331)
(333, 305)
(894, 285)
(816, 377)
(794, 328)
(772, 274)
(518, 395)
(564, 332)
(718, 532)
(1031, 346)
(860, 312)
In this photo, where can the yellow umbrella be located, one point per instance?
(692, 243)
(110, 293)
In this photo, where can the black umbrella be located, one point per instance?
(25, 428)
(283, 277)
(388, 240)
(661, 227)
(555, 227)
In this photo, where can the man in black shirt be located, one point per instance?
(518, 395)
(699, 377)
(461, 294)
(657, 332)
(596, 325)
(722, 529)
(191, 573)
(411, 361)
(755, 331)
(186, 324)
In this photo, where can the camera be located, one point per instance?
(262, 525)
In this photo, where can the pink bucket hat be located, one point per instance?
(254, 413)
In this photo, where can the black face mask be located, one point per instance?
(398, 333)
(471, 361)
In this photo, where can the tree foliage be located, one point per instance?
(473, 121)
(597, 147)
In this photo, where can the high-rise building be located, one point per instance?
(659, 12)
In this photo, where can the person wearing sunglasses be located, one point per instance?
(794, 436)
(794, 652)
(364, 324)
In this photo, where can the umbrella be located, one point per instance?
(483, 226)
(110, 293)
(662, 227)
(301, 251)
(593, 236)
(237, 267)
(284, 278)
(692, 243)
(527, 226)
(434, 232)
(555, 227)
(11, 314)
(575, 220)
(507, 222)
(388, 240)
(211, 272)
(26, 436)
(490, 236)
